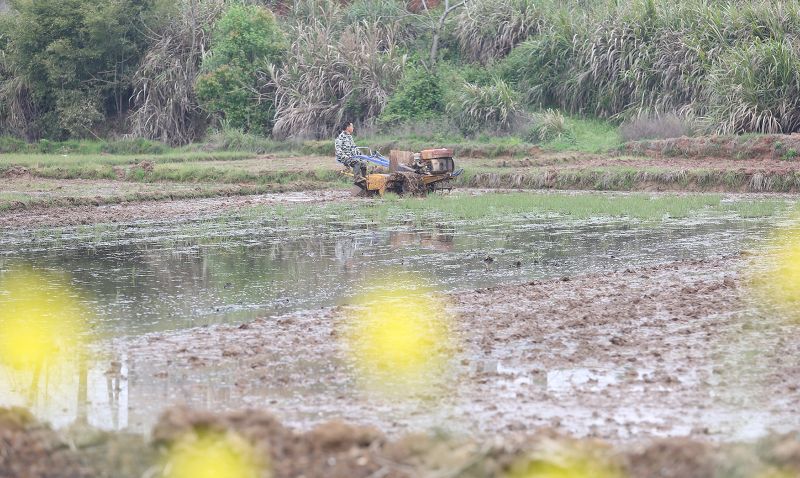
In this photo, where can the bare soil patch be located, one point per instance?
(34, 217)
(658, 371)
(667, 351)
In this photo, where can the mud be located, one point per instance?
(666, 371)
(141, 211)
(667, 351)
(341, 450)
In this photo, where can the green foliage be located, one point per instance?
(246, 34)
(494, 106)
(228, 92)
(72, 60)
(488, 29)
(246, 41)
(419, 96)
(728, 63)
(549, 125)
(756, 87)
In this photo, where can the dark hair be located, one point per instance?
(346, 124)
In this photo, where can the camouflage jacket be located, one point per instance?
(345, 148)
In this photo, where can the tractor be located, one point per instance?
(405, 172)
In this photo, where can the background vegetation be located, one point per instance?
(179, 72)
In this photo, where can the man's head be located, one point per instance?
(348, 126)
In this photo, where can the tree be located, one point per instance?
(76, 58)
(245, 42)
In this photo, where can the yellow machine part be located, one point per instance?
(377, 182)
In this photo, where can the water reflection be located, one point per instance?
(154, 277)
(75, 391)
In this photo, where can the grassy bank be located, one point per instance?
(633, 179)
(497, 208)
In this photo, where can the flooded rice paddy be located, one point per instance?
(141, 279)
(156, 276)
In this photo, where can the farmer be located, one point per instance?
(346, 151)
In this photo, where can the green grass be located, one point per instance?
(498, 208)
(10, 144)
(591, 136)
(587, 135)
(624, 178)
(14, 200)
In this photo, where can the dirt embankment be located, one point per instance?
(761, 148)
(768, 163)
(340, 450)
(154, 210)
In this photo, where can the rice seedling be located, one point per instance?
(502, 208)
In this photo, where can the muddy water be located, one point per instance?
(155, 276)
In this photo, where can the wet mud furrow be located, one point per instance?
(179, 209)
(672, 350)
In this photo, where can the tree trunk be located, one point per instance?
(437, 33)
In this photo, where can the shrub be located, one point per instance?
(69, 63)
(419, 96)
(334, 76)
(630, 59)
(541, 66)
(549, 125)
(165, 104)
(655, 127)
(495, 106)
(245, 43)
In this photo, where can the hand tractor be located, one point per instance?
(408, 173)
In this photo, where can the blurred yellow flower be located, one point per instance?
(399, 336)
(775, 278)
(41, 320)
(554, 459)
(212, 456)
